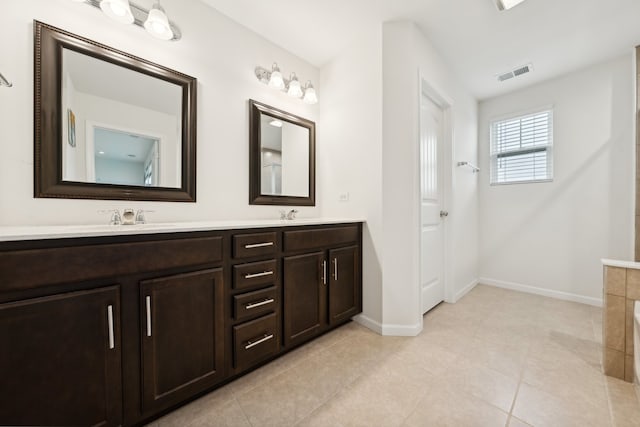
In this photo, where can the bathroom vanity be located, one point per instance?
(119, 326)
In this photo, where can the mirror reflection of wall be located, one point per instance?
(125, 159)
(285, 158)
(135, 107)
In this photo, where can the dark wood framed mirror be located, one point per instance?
(282, 157)
(109, 125)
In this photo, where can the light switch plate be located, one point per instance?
(343, 197)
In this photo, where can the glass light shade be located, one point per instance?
(276, 81)
(117, 10)
(157, 23)
(507, 4)
(295, 90)
(310, 96)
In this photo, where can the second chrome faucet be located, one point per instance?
(128, 217)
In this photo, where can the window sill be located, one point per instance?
(528, 181)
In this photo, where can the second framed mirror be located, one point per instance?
(281, 157)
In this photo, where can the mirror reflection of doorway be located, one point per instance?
(123, 158)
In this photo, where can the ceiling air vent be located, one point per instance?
(515, 73)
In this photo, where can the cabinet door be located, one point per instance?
(305, 297)
(60, 360)
(344, 284)
(182, 336)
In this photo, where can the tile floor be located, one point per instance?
(496, 358)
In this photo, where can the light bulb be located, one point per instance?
(118, 10)
(276, 81)
(295, 90)
(157, 23)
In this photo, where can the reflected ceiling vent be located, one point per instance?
(515, 73)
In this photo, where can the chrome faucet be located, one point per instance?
(291, 215)
(115, 219)
(140, 218)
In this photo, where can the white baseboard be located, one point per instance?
(597, 302)
(388, 330)
(462, 292)
(368, 323)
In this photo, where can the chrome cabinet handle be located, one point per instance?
(258, 304)
(335, 269)
(253, 276)
(324, 272)
(112, 343)
(260, 341)
(148, 299)
(258, 245)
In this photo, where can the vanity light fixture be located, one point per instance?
(292, 86)
(294, 90)
(276, 80)
(155, 21)
(507, 4)
(310, 96)
(118, 10)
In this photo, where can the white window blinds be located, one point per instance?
(521, 148)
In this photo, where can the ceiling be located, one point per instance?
(475, 39)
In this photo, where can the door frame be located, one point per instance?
(436, 95)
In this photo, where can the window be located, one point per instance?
(522, 148)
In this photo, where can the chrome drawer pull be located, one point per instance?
(148, 316)
(324, 272)
(258, 304)
(260, 341)
(258, 245)
(335, 269)
(253, 276)
(112, 343)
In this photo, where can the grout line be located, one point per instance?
(520, 381)
(243, 412)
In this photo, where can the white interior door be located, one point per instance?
(431, 189)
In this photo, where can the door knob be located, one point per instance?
(444, 214)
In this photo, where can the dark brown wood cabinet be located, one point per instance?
(182, 336)
(322, 289)
(344, 287)
(118, 330)
(305, 297)
(60, 360)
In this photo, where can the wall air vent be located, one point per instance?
(515, 73)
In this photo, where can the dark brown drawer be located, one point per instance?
(255, 341)
(254, 274)
(251, 245)
(255, 303)
(24, 269)
(320, 238)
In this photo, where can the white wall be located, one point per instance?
(407, 57)
(551, 236)
(370, 123)
(220, 53)
(349, 159)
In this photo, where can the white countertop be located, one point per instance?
(621, 264)
(37, 232)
